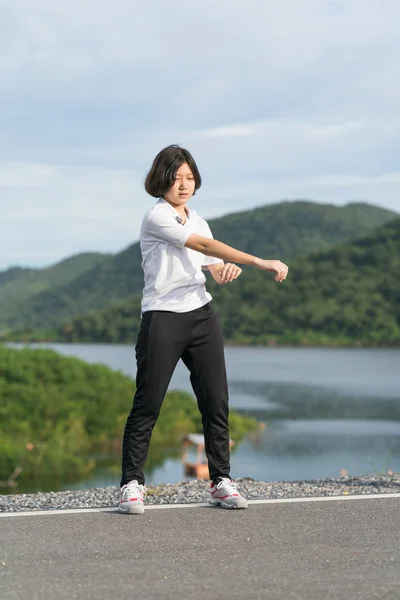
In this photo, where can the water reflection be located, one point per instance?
(301, 401)
(308, 449)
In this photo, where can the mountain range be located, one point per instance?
(345, 295)
(33, 299)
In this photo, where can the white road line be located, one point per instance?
(113, 509)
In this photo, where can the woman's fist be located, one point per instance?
(277, 266)
(229, 272)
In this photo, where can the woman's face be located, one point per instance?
(182, 190)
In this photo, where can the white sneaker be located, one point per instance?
(226, 495)
(131, 498)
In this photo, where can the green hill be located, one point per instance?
(14, 273)
(349, 294)
(18, 285)
(285, 230)
(292, 229)
(345, 295)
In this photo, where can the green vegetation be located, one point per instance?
(292, 229)
(343, 296)
(19, 285)
(286, 230)
(56, 412)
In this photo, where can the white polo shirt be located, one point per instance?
(173, 277)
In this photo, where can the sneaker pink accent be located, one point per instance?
(225, 494)
(132, 498)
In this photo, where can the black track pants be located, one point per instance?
(165, 337)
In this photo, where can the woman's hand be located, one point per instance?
(228, 273)
(276, 266)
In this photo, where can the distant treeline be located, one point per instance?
(347, 295)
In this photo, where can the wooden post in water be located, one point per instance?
(198, 469)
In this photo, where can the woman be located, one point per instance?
(178, 322)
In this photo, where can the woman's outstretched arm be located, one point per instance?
(211, 247)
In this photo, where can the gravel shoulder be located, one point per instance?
(196, 491)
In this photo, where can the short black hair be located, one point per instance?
(162, 174)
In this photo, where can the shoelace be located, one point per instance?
(229, 486)
(133, 489)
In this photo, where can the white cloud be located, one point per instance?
(25, 175)
(232, 131)
(347, 181)
(337, 129)
(329, 127)
(275, 99)
(78, 209)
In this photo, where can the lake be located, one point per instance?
(326, 410)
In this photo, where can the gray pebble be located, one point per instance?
(196, 491)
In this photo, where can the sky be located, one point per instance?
(276, 100)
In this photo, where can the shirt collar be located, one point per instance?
(171, 209)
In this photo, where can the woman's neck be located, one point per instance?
(180, 208)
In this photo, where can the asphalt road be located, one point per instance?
(302, 551)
